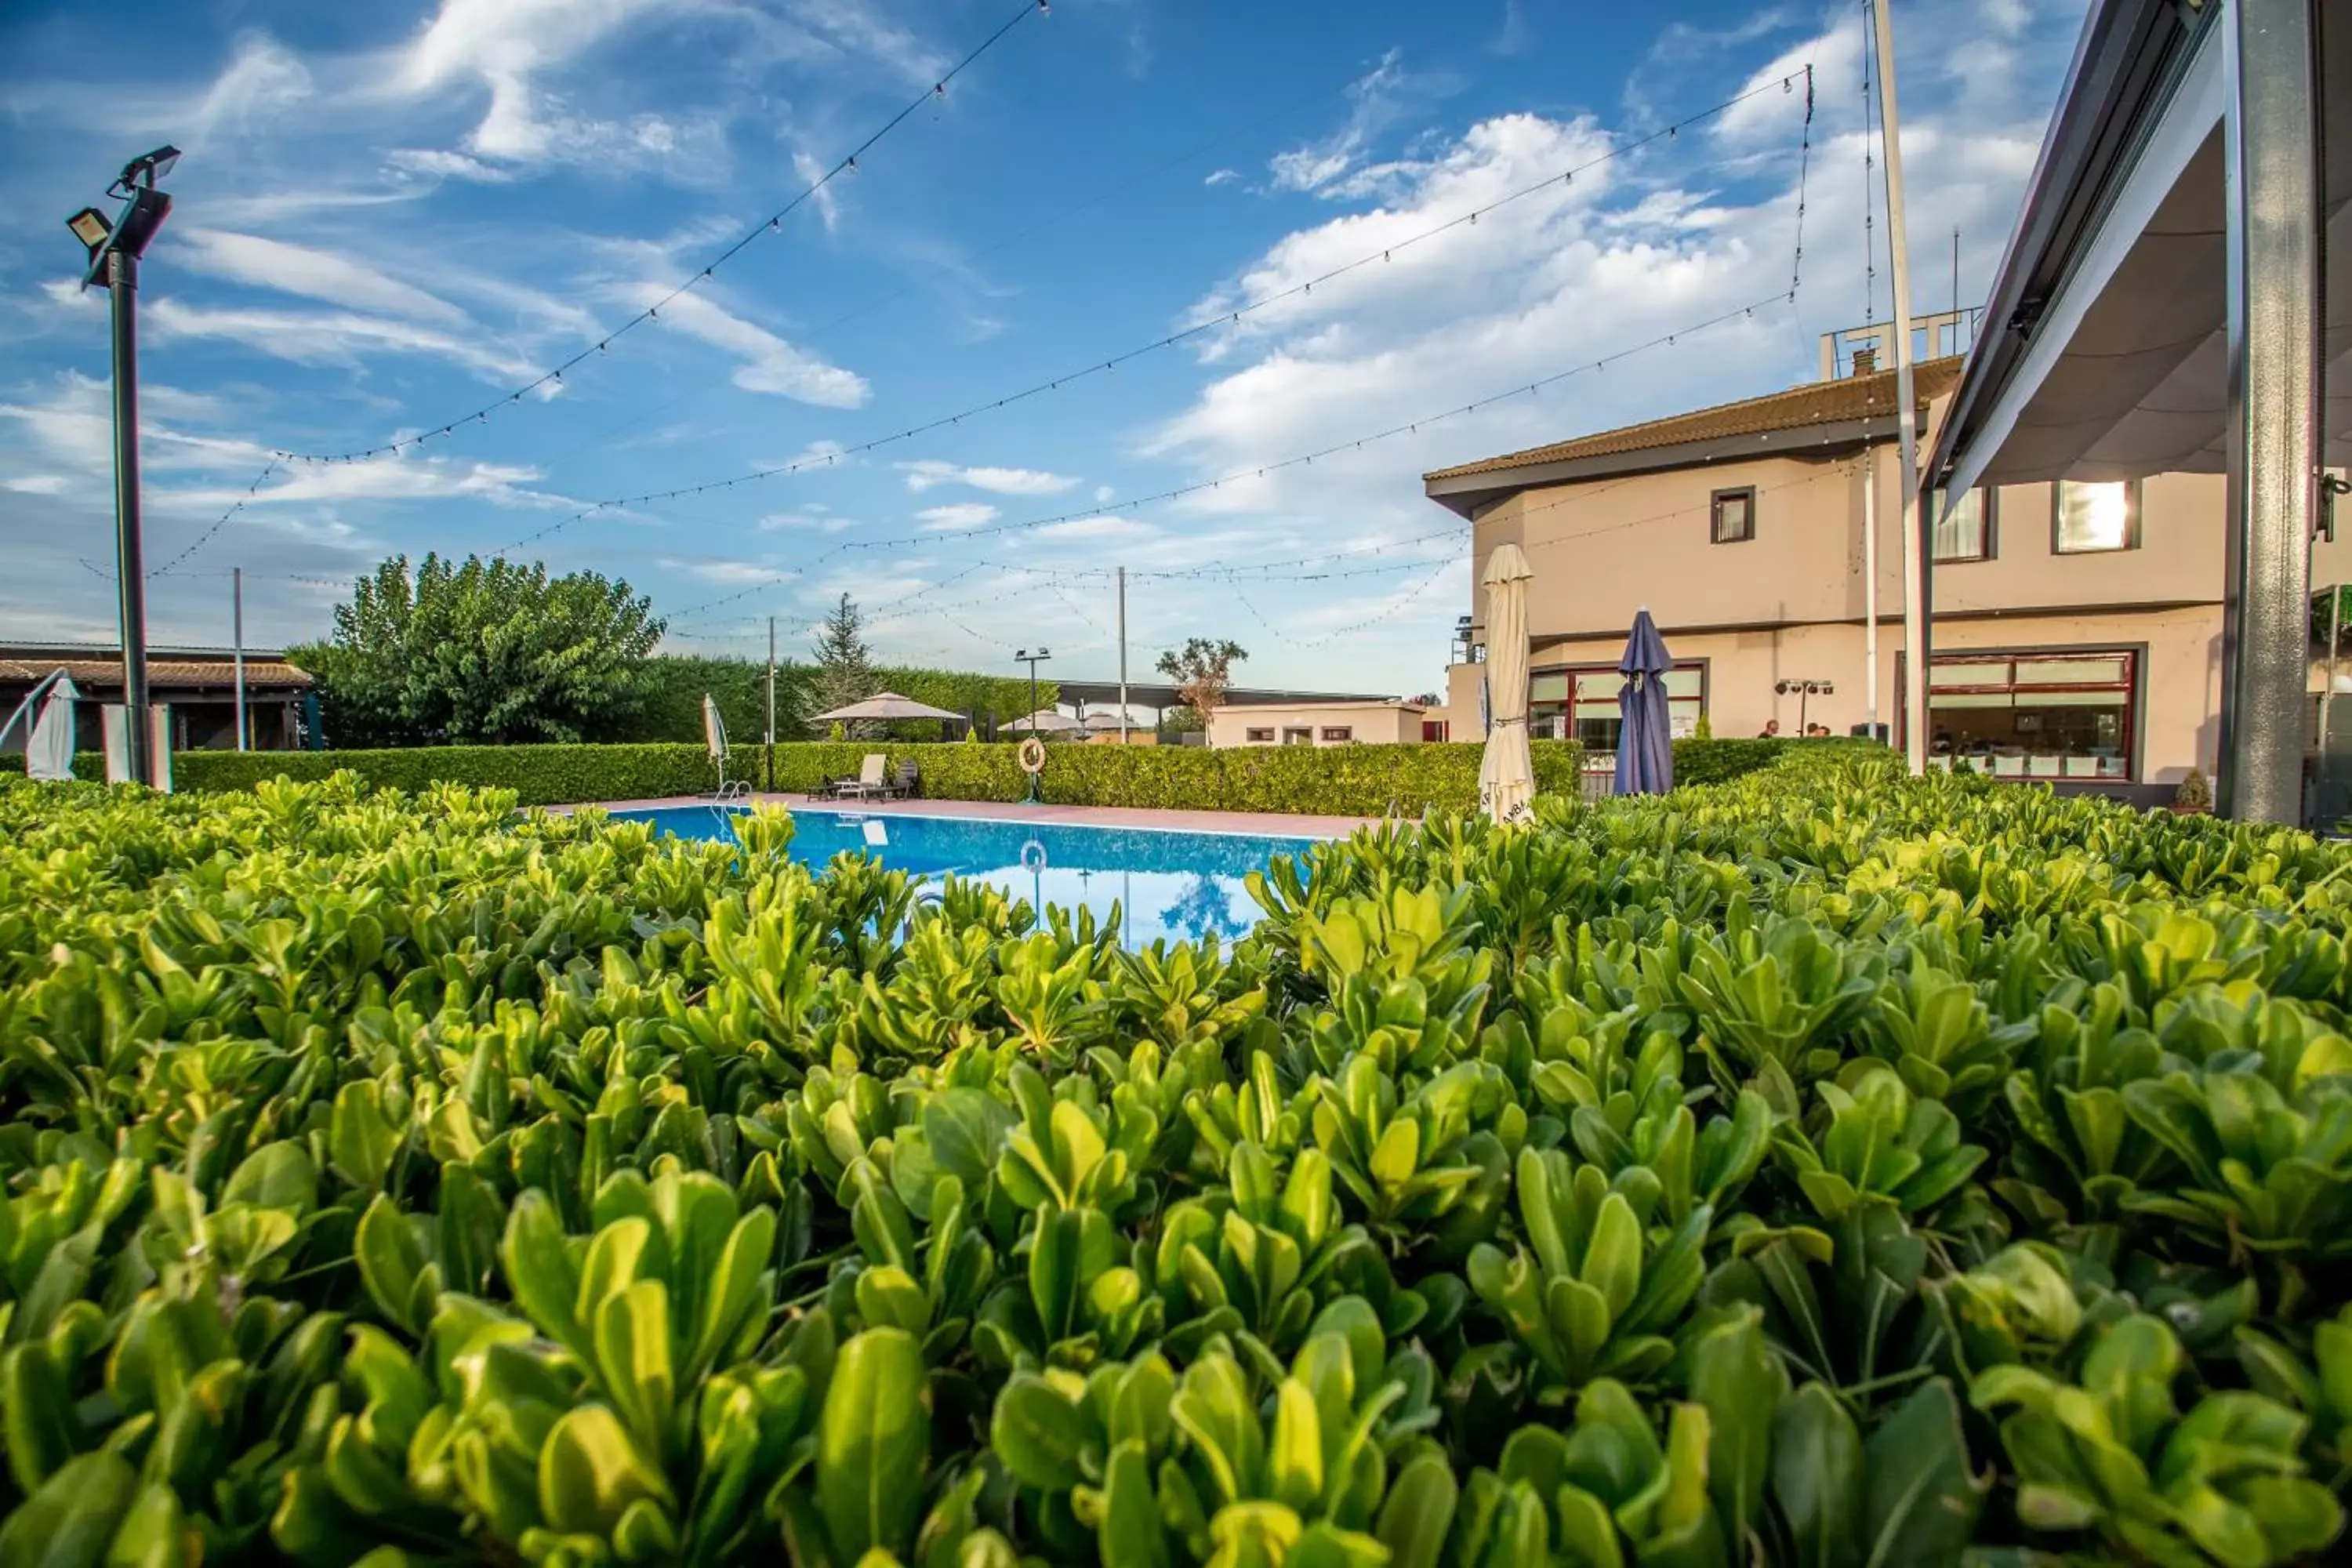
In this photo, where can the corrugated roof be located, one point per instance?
(164, 675)
(1816, 403)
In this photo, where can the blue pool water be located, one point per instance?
(1182, 886)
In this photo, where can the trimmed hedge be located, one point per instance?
(1336, 781)
(540, 776)
(1719, 762)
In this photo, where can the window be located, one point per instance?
(1257, 737)
(1333, 733)
(1965, 532)
(1582, 704)
(1433, 728)
(2084, 518)
(1298, 735)
(1733, 514)
(2063, 714)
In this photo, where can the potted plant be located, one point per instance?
(2194, 797)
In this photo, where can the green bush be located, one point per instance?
(1333, 780)
(1824, 1168)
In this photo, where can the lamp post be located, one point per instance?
(1032, 660)
(1806, 690)
(115, 251)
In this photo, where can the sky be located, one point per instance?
(942, 381)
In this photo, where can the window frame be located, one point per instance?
(2134, 687)
(1566, 705)
(1257, 735)
(1297, 734)
(1715, 504)
(1989, 531)
(1335, 735)
(2132, 497)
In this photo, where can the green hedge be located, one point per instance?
(1326, 781)
(1329, 781)
(540, 776)
(1720, 761)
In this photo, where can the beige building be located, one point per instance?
(1330, 723)
(2077, 626)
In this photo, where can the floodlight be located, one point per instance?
(90, 226)
(142, 171)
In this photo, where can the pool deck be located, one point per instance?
(1274, 825)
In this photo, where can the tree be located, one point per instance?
(844, 665)
(484, 653)
(1203, 671)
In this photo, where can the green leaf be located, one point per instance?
(1130, 1533)
(70, 1522)
(590, 1473)
(1419, 1512)
(1817, 1477)
(1921, 1503)
(1741, 1382)
(1043, 1436)
(873, 1443)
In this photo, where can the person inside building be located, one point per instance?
(1771, 728)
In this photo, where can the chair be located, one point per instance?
(870, 780)
(908, 780)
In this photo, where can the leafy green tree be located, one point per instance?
(845, 664)
(483, 653)
(1203, 671)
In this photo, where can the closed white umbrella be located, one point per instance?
(1506, 779)
(49, 753)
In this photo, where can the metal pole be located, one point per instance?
(1122, 656)
(236, 617)
(2270, 218)
(1870, 576)
(1956, 288)
(772, 703)
(1917, 586)
(130, 568)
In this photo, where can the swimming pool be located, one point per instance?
(1172, 884)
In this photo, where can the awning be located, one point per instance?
(2111, 357)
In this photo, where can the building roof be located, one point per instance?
(1848, 399)
(164, 676)
(1303, 704)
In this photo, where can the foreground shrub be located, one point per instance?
(1821, 1168)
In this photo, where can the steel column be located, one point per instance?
(2275, 246)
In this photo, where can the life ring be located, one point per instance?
(1033, 856)
(1033, 756)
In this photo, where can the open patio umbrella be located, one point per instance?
(1645, 746)
(1507, 773)
(1044, 721)
(883, 706)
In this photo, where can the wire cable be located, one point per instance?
(171, 567)
(773, 223)
(1259, 470)
(1223, 319)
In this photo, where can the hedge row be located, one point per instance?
(1338, 781)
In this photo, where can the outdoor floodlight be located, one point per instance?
(141, 173)
(90, 226)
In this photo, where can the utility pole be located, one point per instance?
(237, 625)
(1917, 568)
(772, 703)
(1870, 576)
(1122, 656)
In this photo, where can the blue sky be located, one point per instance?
(389, 216)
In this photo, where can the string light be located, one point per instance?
(770, 225)
(171, 567)
(1303, 459)
(1111, 365)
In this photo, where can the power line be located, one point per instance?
(1223, 319)
(773, 223)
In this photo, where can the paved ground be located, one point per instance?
(1273, 823)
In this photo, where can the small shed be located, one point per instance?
(198, 685)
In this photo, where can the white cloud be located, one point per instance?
(1375, 101)
(1222, 177)
(340, 337)
(440, 163)
(956, 515)
(314, 274)
(1104, 530)
(1103, 492)
(35, 484)
(727, 572)
(928, 473)
(809, 172)
(811, 518)
(261, 82)
(770, 364)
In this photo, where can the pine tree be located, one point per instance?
(844, 665)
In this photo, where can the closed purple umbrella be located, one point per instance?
(1645, 744)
